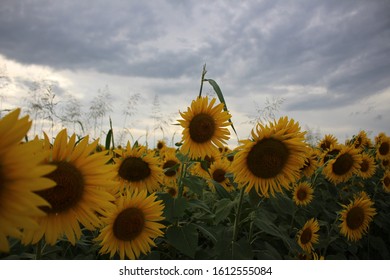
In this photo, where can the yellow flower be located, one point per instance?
(328, 141)
(83, 182)
(302, 194)
(308, 236)
(367, 166)
(138, 169)
(204, 128)
(171, 167)
(132, 226)
(386, 181)
(21, 174)
(383, 148)
(346, 163)
(356, 217)
(311, 163)
(273, 159)
(217, 172)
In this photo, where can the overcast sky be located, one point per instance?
(328, 60)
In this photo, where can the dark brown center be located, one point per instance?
(202, 128)
(219, 175)
(355, 218)
(134, 169)
(301, 194)
(168, 165)
(267, 158)
(129, 224)
(384, 148)
(342, 164)
(364, 166)
(68, 191)
(306, 236)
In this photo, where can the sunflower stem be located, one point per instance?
(204, 71)
(182, 175)
(238, 213)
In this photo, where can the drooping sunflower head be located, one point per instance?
(272, 159)
(82, 191)
(130, 229)
(367, 166)
(386, 181)
(356, 217)
(137, 168)
(341, 168)
(302, 193)
(204, 127)
(328, 141)
(308, 236)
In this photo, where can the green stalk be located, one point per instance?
(238, 213)
(204, 71)
(183, 173)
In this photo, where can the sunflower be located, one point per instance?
(328, 141)
(272, 159)
(385, 164)
(138, 169)
(171, 167)
(360, 141)
(308, 236)
(383, 148)
(356, 217)
(341, 168)
(21, 174)
(367, 166)
(161, 144)
(204, 128)
(217, 173)
(131, 227)
(331, 153)
(386, 181)
(83, 181)
(311, 163)
(302, 194)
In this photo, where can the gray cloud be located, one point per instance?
(341, 46)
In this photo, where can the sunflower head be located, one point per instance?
(82, 192)
(328, 141)
(272, 159)
(204, 127)
(356, 217)
(308, 236)
(346, 163)
(138, 168)
(302, 193)
(383, 148)
(130, 229)
(386, 181)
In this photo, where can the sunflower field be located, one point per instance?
(274, 196)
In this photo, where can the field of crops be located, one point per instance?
(274, 196)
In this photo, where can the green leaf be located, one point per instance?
(194, 183)
(184, 239)
(206, 232)
(108, 139)
(200, 204)
(223, 209)
(241, 250)
(221, 98)
(174, 207)
(222, 193)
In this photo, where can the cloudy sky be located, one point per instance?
(328, 61)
